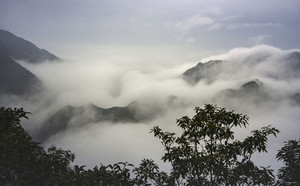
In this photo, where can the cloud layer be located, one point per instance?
(166, 96)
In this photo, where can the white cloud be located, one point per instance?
(235, 26)
(97, 82)
(193, 22)
(258, 40)
(216, 26)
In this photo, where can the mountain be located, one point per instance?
(251, 91)
(254, 85)
(14, 78)
(294, 59)
(292, 62)
(295, 98)
(285, 67)
(70, 116)
(207, 71)
(21, 49)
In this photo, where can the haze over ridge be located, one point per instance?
(165, 91)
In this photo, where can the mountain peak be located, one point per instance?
(21, 49)
(14, 78)
(255, 84)
(201, 71)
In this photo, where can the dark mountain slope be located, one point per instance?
(15, 79)
(21, 49)
(254, 85)
(294, 59)
(207, 71)
(292, 64)
(250, 92)
(70, 116)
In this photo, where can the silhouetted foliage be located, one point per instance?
(116, 174)
(25, 162)
(148, 174)
(207, 153)
(290, 155)
(19, 154)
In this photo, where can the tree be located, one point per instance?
(17, 150)
(207, 152)
(290, 155)
(118, 174)
(25, 162)
(148, 174)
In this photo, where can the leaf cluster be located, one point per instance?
(290, 155)
(207, 153)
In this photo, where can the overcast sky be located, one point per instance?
(163, 30)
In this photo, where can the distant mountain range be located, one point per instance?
(71, 117)
(253, 90)
(74, 117)
(211, 70)
(14, 78)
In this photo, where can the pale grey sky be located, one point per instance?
(165, 30)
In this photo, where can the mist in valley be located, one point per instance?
(159, 95)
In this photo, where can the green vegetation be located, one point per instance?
(206, 153)
(25, 162)
(290, 155)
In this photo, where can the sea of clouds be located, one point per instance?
(165, 96)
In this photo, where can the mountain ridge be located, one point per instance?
(203, 71)
(208, 72)
(14, 78)
(81, 115)
(21, 49)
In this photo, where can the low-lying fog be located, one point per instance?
(165, 96)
